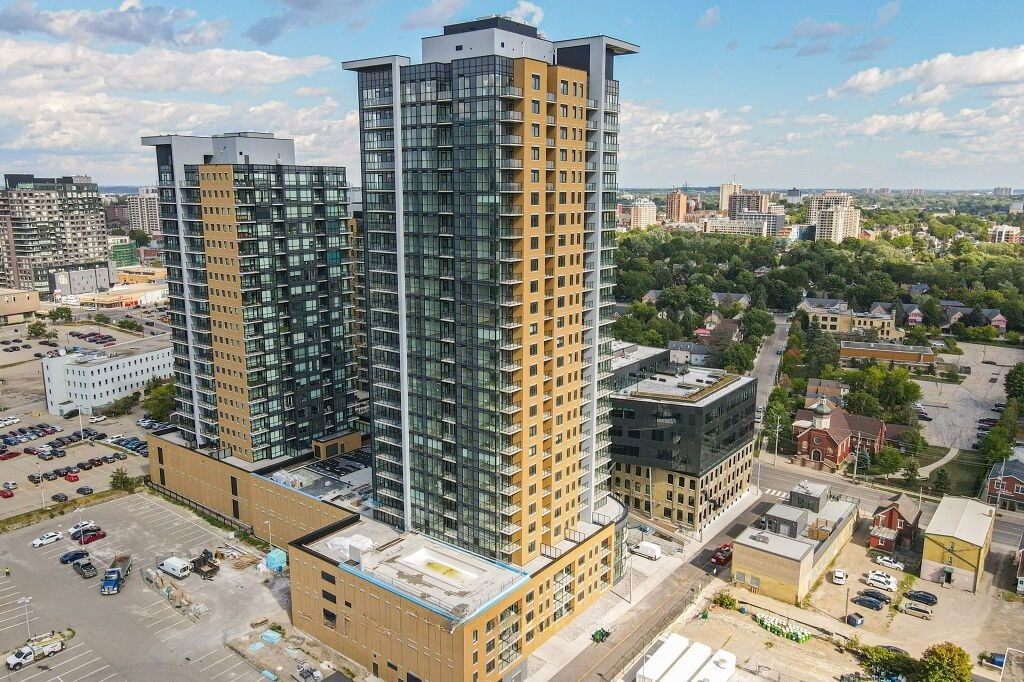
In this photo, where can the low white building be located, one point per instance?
(91, 380)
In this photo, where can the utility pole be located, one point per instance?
(856, 458)
(778, 423)
(999, 488)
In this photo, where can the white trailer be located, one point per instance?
(662, 659)
(719, 669)
(688, 664)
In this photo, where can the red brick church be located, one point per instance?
(826, 436)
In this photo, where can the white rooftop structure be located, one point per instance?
(962, 518)
(695, 386)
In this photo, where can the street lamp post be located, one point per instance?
(270, 535)
(24, 601)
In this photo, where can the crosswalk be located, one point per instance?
(772, 492)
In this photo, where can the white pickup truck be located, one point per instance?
(40, 646)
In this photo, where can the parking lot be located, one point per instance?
(112, 630)
(956, 409)
(995, 623)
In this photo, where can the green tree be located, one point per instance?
(160, 402)
(995, 446)
(758, 323)
(863, 403)
(943, 481)
(910, 471)
(130, 325)
(944, 662)
(120, 480)
(36, 330)
(60, 314)
(139, 236)
(1014, 382)
(821, 350)
(122, 406)
(889, 461)
(736, 357)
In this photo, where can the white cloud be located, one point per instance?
(131, 22)
(38, 66)
(303, 13)
(527, 13)
(996, 66)
(939, 158)
(307, 91)
(927, 97)
(745, 109)
(887, 13)
(813, 29)
(435, 12)
(709, 18)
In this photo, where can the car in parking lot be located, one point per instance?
(78, 533)
(85, 465)
(71, 478)
(92, 537)
(867, 602)
(81, 525)
(5, 493)
(10, 485)
(913, 608)
(109, 459)
(73, 555)
(855, 619)
(96, 461)
(839, 576)
(59, 497)
(889, 562)
(923, 597)
(881, 580)
(84, 490)
(97, 419)
(119, 455)
(879, 596)
(35, 478)
(46, 539)
(50, 476)
(10, 454)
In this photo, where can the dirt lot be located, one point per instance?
(995, 622)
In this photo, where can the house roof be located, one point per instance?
(729, 297)
(842, 424)
(989, 313)
(689, 346)
(1009, 467)
(905, 504)
(919, 288)
(653, 294)
(962, 518)
(823, 302)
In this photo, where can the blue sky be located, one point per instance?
(901, 93)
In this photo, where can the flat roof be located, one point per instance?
(343, 481)
(890, 347)
(441, 577)
(101, 356)
(791, 548)
(785, 511)
(962, 518)
(806, 487)
(696, 386)
(625, 353)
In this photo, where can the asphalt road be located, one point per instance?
(767, 362)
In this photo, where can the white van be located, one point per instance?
(648, 550)
(175, 567)
(912, 608)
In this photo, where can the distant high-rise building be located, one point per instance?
(1000, 234)
(830, 199)
(49, 225)
(1003, 191)
(836, 223)
(794, 196)
(726, 190)
(115, 215)
(747, 202)
(676, 206)
(258, 259)
(644, 212)
(144, 210)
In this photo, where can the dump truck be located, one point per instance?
(40, 646)
(115, 576)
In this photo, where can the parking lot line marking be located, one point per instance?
(98, 670)
(227, 671)
(18, 625)
(158, 601)
(197, 660)
(8, 589)
(218, 661)
(161, 620)
(65, 672)
(108, 677)
(20, 615)
(157, 632)
(176, 633)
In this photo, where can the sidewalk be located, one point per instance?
(949, 457)
(569, 654)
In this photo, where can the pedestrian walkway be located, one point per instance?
(924, 471)
(772, 492)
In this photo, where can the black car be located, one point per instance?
(50, 476)
(922, 597)
(59, 453)
(877, 595)
(73, 555)
(84, 490)
(59, 497)
(84, 466)
(861, 600)
(120, 455)
(855, 619)
(35, 478)
(77, 535)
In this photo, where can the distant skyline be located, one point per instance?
(900, 93)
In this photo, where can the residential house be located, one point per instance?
(689, 353)
(651, 296)
(824, 389)
(957, 542)
(894, 523)
(807, 303)
(836, 317)
(762, 271)
(956, 313)
(712, 319)
(725, 333)
(826, 436)
(727, 299)
(917, 289)
(913, 313)
(1004, 486)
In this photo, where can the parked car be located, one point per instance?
(35, 478)
(923, 597)
(723, 555)
(5, 493)
(913, 608)
(80, 525)
(882, 581)
(894, 649)
(92, 537)
(839, 576)
(889, 562)
(867, 602)
(50, 476)
(84, 490)
(59, 497)
(10, 485)
(85, 465)
(875, 594)
(46, 539)
(71, 478)
(97, 419)
(73, 555)
(77, 535)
